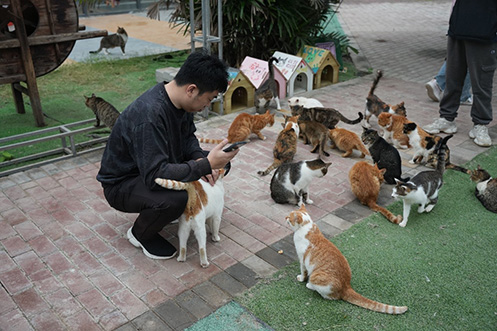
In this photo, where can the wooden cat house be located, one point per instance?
(239, 94)
(323, 64)
(298, 74)
(257, 71)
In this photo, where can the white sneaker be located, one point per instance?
(434, 91)
(441, 125)
(480, 135)
(467, 102)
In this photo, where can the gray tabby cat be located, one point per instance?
(267, 91)
(486, 187)
(118, 39)
(329, 117)
(423, 188)
(290, 182)
(103, 110)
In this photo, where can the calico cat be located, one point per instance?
(290, 181)
(243, 125)
(393, 129)
(305, 102)
(205, 206)
(316, 134)
(374, 105)
(347, 141)
(327, 116)
(103, 110)
(422, 142)
(324, 266)
(268, 90)
(118, 39)
(423, 188)
(486, 188)
(365, 181)
(385, 155)
(285, 146)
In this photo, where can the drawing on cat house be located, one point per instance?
(257, 71)
(239, 94)
(298, 74)
(323, 64)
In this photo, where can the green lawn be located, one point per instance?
(442, 266)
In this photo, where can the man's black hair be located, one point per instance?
(206, 71)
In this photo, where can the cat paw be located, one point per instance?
(429, 208)
(421, 209)
(403, 224)
(216, 238)
(309, 202)
(412, 162)
(181, 258)
(205, 264)
(300, 278)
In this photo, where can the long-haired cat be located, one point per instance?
(329, 117)
(268, 90)
(393, 129)
(290, 182)
(103, 110)
(118, 39)
(375, 106)
(316, 134)
(324, 266)
(365, 182)
(305, 102)
(285, 146)
(243, 125)
(205, 206)
(423, 188)
(422, 142)
(385, 155)
(346, 141)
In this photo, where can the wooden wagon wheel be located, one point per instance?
(36, 36)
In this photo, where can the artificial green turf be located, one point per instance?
(443, 266)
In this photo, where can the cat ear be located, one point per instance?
(302, 209)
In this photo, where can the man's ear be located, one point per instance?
(190, 89)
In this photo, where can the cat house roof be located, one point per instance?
(257, 71)
(317, 57)
(233, 73)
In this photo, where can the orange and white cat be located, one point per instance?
(205, 206)
(324, 266)
(365, 181)
(285, 146)
(347, 141)
(393, 129)
(243, 125)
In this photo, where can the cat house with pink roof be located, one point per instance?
(239, 94)
(257, 71)
(297, 73)
(323, 64)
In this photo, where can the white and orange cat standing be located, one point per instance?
(324, 266)
(205, 206)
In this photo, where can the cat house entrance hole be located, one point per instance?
(239, 99)
(327, 76)
(29, 13)
(300, 83)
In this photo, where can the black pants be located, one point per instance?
(156, 208)
(481, 61)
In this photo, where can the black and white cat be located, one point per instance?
(118, 39)
(423, 188)
(291, 181)
(385, 155)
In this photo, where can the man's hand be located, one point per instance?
(212, 178)
(217, 158)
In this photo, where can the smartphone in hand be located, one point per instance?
(234, 146)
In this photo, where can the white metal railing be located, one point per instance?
(68, 148)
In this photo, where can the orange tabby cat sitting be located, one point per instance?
(393, 129)
(347, 141)
(243, 125)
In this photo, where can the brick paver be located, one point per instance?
(65, 262)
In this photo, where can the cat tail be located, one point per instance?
(442, 146)
(457, 168)
(171, 184)
(97, 51)
(210, 141)
(385, 212)
(273, 166)
(355, 298)
(346, 120)
(379, 74)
